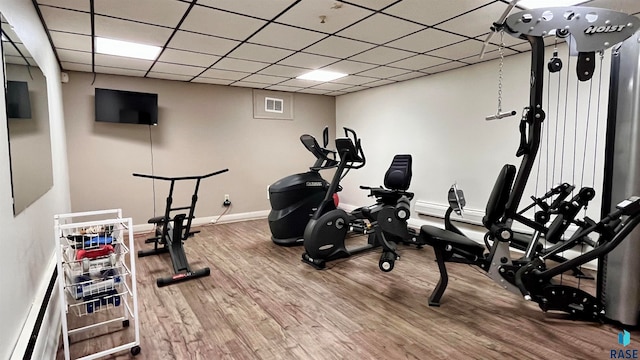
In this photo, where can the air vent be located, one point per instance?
(273, 105)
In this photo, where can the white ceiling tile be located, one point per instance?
(380, 83)
(488, 55)
(308, 61)
(259, 52)
(82, 57)
(177, 69)
(470, 25)
(286, 37)
(625, 6)
(373, 4)
(281, 70)
(205, 80)
(354, 80)
(262, 9)
(338, 47)
(71, 41)
(81, 5)
(283, 88)
(66, 20)
(184, 40)
(219, 23)
(314, 91)
(331, 86)
(307, 14)
(224, 74)
(300, 83)
(18, 60)
(506, 38)
(380, 28)
(433, 12)
(349, 67)
(418, 62)
(408, 76)
(69, 66)
(165, 76)
(265, 79)
(125, 30)
(335, 93)
(159, 12)
(249, 84)
(444, 67)
(383, 72)
(119, 71)
(425, 40)
(187, 57)
(123, 62)
(354, 89)
(382, 55)
(240, 65)
(460, 50)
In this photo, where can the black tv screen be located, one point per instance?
(18, 104)
(118, 106)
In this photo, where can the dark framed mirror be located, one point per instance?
(27, 109)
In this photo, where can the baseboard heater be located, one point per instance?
(33, 338)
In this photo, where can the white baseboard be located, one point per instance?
(224, 219)
(46, 344)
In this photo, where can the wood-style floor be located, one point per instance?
(262, 302)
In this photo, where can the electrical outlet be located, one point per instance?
(226, 202)
(226, 197)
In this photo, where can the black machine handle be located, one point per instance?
(321, 153)
(358, 156)
(181, 177)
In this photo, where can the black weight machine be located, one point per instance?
(171, 232)
(529, 276)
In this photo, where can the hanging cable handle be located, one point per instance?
(499, 113)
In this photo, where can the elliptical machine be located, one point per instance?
(325, 233)
(295, 198)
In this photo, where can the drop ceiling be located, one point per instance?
(266, 44)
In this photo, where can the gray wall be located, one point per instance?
(27, 256)
(201, 128)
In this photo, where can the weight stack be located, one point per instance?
(619, 271)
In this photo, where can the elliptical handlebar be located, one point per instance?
(351, 149)
(321, 153)
(181, 177)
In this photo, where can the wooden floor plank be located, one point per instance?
(262, 302)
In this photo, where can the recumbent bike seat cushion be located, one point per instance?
(397, 180)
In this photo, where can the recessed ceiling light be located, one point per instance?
(321, 75)
(536, 4)
(127, 49)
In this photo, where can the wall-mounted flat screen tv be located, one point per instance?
(18, 103)
(119, 106)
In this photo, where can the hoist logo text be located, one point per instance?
(603, 29)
